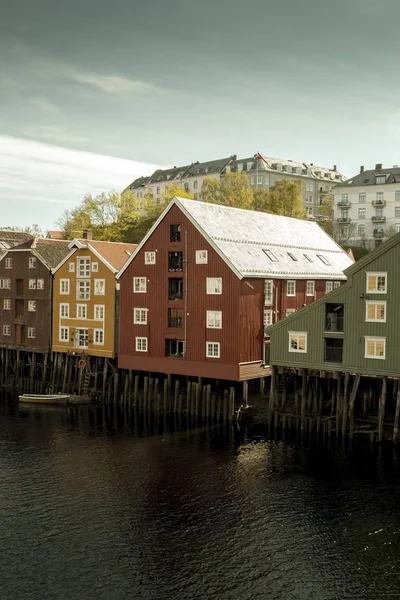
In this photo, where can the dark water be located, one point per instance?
(98, 509)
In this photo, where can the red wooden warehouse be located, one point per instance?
(199, 289)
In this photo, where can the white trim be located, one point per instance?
(145, 285)
(137, 343)
(376, 274)
(84, 281)
(209, 286)
(100, 306)
(313, 286)
(151, 253)
(31, 305)
(63, 304)
(298, 334)
(69, 288)
(85, 258)
(287, 288)
(199, 260)
(95, 281)
(79, 307)
(59, 334)
(96, 330)
(140, 322)
(30, 329)
(208, 316)
(372, 338)
(374, 303)
(218, 346)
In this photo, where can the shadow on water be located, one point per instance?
(109, 504)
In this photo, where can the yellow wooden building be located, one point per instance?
(85, 298)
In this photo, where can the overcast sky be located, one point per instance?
(94, 93)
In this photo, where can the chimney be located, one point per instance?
(334, 168)
(87, 234)
(362, 169)
(378, 167)
(234, 157)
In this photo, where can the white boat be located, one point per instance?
(45, 398)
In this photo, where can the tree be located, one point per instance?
(284, 198)
(326, 215)
(233, 190)
(343, 232)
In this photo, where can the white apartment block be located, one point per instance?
(263, 173)
(367, 207)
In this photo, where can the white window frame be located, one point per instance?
(32, 262)
(362, 197)
(328, 286)
(81, 311)
(362, 213)
(64, 308)
(374, 339)
(268, 292)
(268, 318)
(30, 330)
(298, 334)
(150, 258)
(139, 342)
(214, 286)
(397, 195)
(291, 281)
(85, 293)
(95, 267)
(98, 333)
(32, 284)
(375, 303)
(210, 351)
(6, 303)
(5, 284)
(64, 287)
(99, 308)
(83, 267)
(376, 274)
(71, 267)
(6, 329)
(141, 284)
(138, 313)
(64, 330)
(259, 179)
(308, 291)
(97, 282)
(40, 284)
(213, 317)
(8, 263)
(336, 284)
(289, 311)
(201, 257)
(31, 305)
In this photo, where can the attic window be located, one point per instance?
(308, 258)
(292, 256)
(270, 255)
(323, 259)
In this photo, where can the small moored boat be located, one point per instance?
(45, 398)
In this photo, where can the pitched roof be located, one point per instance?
(256, 244)
(51, 252)
(115, 253)
(55, 235)
(368, 177)
(12, 238)
(167, 174)
(139, 182)
(210, 166)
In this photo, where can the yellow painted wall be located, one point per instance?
(72, 321)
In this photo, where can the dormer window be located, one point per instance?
(270, 255)
(379, 179)
(292, 256)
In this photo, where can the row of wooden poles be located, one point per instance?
(328, 404)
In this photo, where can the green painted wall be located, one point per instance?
(352, 294)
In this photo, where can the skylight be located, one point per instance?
(308, 258)
(323, 259)
(292, 256)
(270, 255)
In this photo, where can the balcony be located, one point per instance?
(175, 348)
(344, 203)
(344, 220)
(378, 219)
(378, 234)
(175, 322)
(175, 261)
(378, 202)
(175, 289)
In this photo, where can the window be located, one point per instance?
(362, 213)
(83, 267)
(323, 259)
(8, 263)
(336, 284)
(141, 344)
(64, 311)
(175, 261)
(149, 258)
(83, 290)
(7, 304)
(201, 257)
(268, 318)
(6, 329)
(175, 348)
(397, 212)
(212, 350)
(40, 284)
(397, 227)
(82, 338)
(139, 285)
(397, 195)
(175, 233)
(64, 334)
(333, 350)
(195, 185)
(259, 179)
(175, 289)
(71, 267)
(5, 284)
(310, 288)
(175, 318)
(375, 311)
(270, 255)
(95, 267)
(375, 347)
(291, 287)
(99, 287)
(140, 316)
(214, 319)
(297, 341)
(376, 283)
(345, 197)
(328, 286)
(362, 197)
(214, 285)
(81, 311)
(361, 229)
(195, 196)
(379, 196)
(379, 179)
(290, 311)
(98, 337)
(64, 286)
(308, 257)
(292, 256)
(268, 292)
(32, 284)
(99, 312)
(32, 306)
(32, 262)
(31, 332)
(334, 316)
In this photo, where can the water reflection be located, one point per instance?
(106, 504)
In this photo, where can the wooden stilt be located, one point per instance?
(381, 412)
(338, 403)
(176, 396)
(345, 404)
(136, 391)
(245, 394)
(353, 396)
(231, 403)
(303, 398)
(397, 413)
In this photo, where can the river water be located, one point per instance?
(98, 507)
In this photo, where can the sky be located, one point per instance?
(95, 93)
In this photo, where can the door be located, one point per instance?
(82, 338)
(20, 335)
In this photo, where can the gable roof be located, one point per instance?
(13, 238)
(113, 254)
(210, 166)
(242, 237)
(49, 252)
(55, 235)
(368, 177)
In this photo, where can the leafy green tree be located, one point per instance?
(326, 215)
(233, 190)
(284, 198)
